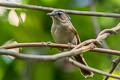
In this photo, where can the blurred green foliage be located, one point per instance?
(36, 28)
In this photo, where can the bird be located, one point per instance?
(63, 32)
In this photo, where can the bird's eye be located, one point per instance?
(59, 14)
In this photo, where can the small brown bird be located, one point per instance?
(63, 32)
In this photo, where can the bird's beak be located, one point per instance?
(51, 14)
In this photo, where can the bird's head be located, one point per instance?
(60, 16)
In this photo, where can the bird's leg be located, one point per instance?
(70, 44)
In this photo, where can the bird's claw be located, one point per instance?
(49, 42)
(70, 44)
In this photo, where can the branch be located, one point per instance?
(33, 7)
(46, 57)
(103, 34)
(91, 69)
(115, 63)
(81, 48)
(55, 45)
(97, 30)
(99, 38)
(38, 44)
(52, 58)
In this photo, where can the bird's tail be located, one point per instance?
(85, 72)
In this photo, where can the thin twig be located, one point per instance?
(91, 69)
(83, 47)
(68, 53)
(51, 58)
(55, 45)
(97, 30)
(115, 63)
(105, 35)
(46, 57)
(38, 44)
(33, 7)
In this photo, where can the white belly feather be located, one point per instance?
(63, 35)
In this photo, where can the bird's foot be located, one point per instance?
(49, 42)
(70, 44)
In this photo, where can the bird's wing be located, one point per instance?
(75, 32)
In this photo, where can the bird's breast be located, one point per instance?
(62, 34)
